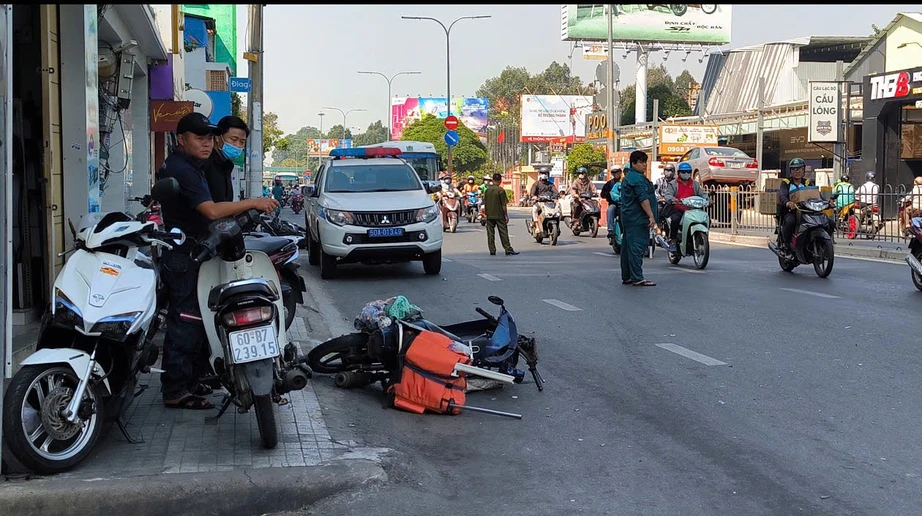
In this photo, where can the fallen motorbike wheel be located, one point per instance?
(824, 256)
(702, 250)
(34, 426)
(265, 420)
(339, 354)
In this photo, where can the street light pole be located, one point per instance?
(320, 154)
(447, 61)
(389, 81)
(344, 116)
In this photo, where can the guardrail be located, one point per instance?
(743, 211)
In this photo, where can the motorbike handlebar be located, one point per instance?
(207, 248)
(486, 315)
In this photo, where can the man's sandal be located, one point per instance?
(189, 401)
(644, 283)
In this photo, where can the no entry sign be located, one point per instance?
(451, 123)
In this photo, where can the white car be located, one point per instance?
(369, 206)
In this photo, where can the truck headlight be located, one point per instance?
(337, 217)
(116, 327)
(427, 214)
(66, 313)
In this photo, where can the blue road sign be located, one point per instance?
(452, 138)
(240, 84)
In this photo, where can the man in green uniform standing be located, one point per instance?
(637, 219)
(494, 206)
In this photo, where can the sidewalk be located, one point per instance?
(191, 463)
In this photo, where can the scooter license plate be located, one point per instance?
(253, 344)
(385, 232)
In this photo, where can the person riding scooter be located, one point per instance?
(470, 186)
(580, 185)
(667, 177)
(787, 212)
(611, 192)
(679, 188)
(446, 188)
(542, 187)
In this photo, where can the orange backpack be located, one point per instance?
(424, 380)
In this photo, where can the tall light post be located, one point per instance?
(389, 81)
(319, 151)
(447, 61)
(344, 116)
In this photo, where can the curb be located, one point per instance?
(246, 491)
(841, 250)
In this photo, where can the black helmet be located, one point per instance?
(869, 176)
(583, 170)
(844, 177)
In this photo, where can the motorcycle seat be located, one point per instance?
(220, 294)
(268, 245)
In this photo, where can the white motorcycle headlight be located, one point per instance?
(427, 214)
(337, 217)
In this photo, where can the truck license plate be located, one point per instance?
(385, 232)
(253, 344)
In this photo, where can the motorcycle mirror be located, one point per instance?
(165, 189)
(73, 230)
(180, 236)
(495, 300)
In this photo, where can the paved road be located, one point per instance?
(737, 390)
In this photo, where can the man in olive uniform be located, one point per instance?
(494, 205)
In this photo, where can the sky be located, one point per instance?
(313, 52)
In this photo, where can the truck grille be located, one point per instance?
(384, 219)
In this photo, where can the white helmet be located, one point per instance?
(542, 177)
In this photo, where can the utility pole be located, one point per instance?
(319, 150)
(611, 90)
(255, 101)
(655, 129)
(759, 124)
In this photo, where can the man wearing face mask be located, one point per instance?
(542, 187)
(229, 144)
(579, 186)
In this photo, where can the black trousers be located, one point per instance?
(675, 221)
(185, 347)
(788, 223)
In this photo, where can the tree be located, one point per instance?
(659, 86)
(376, 133)
(684, 83)
(585, 155)
(294, 146)
(877, 31)
(504, 91)
(271, 132)
(467, 157)
(237, 105)
(337, 132)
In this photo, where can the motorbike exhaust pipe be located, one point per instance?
(294, 380)
(914, 263)
(774, 248)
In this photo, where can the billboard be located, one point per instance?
(679, 139)
(325, 145)
(405, 110)
(662, 23)
(547, 118)
(825, 118)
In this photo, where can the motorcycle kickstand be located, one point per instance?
(224, 406)
(124, 430)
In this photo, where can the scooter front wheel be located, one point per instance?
(35, 429)
(823, 258)
(702, 249)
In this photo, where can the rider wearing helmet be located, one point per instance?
(679, 188)
(541, 188)
(611, 192)
(446, 188)
(668, 175)
(580, 185)
(470, 186)
(846, 194)
(787, 210)
(487, 182)
(867, 193)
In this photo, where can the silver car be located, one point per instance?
(722, 165)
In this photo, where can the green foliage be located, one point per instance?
(877, 30)
(585, 155)
(376, 133)
(337, 132)
(237, 105)
(294, 147)
(659, 86)
(509, 194)
(468, 156)
(271, 132)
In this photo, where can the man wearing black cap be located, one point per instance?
(191, 211)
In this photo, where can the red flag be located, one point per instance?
(502, 137)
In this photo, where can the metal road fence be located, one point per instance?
(743, 211)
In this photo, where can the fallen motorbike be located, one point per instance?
(812, 241)
(693, 233)
(359, 359)
(297, 203)
(95, 340)
(451, 206)
(472, 207)
(240, 302)
(548, 223)
(589, 218)
(914, 258)
(283, 251)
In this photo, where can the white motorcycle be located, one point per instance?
(94, 341)
(240, 300)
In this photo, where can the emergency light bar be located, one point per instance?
(370, 152)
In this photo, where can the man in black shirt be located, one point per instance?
(191, 211)
(229, 145)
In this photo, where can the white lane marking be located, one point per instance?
(489, 277)
(690, 271)
(604, 254)
(446, 260)
(809, 293)
(563, 306)
(687, 353)
(860, 258)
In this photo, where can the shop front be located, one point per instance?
(892, 132)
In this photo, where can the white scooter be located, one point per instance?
(240, 300)
(94, 341)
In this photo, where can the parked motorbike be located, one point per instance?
(548, 223)
(277, 227)
(812, 241)
(589, 218)
(472, 207)
(297, 203)
(693, 233)
(241, 306)
(283, 251)
(914, 258)
(94, 340)
(451, 206)
(359, 359)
